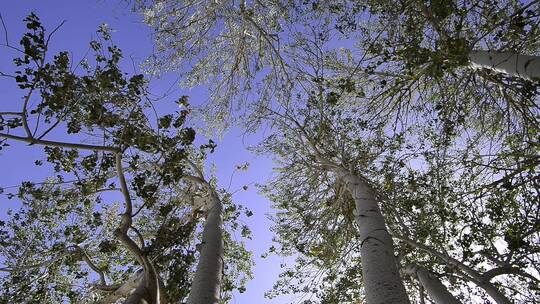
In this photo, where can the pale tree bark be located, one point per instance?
(435, 289)
(122, 291)
(510, 63)
(205, 288)
(382, 282)
(468, 273)
(206, 285)
(513, 64)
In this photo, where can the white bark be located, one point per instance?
(524, 66)
(473, 275)
(435, 289)
(124, 290)
(205, 288)
(382, 282)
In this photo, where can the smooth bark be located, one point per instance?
(382, 282)
(435, 289)
(206, 285)
(123, 290)
(523, 66)
(469, 273)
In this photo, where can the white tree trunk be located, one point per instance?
(524, 66)
(205, 288)
(435, 289)
(474, 275)
(382, 282)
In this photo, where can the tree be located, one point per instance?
(428, 202)
(65, 235)
(207, 281)
(411, 69)
(315, 162)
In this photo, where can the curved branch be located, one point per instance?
(121, 291)
(93, 266)
(474, 275)
(150, 282)
(507, 269)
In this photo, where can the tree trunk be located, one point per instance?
(382, 282)
(205, 288)
(470, 274)
(494, 293)
(435, 289)
(524, 66)
(141, 295)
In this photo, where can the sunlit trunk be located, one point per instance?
(435, 289)
(382, 282)
(524, 66)
(205, 288)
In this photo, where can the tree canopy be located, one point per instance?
(405, 136)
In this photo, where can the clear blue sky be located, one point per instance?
(132, 36)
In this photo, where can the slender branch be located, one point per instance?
(54, 31)
(7, 75)
(107, 189)
(43, 142)
(508, 269)
(139, 236)
(93, 266)
(37, 265)
(150, 279)
(446, 258)
(5, 29)
(10, 113)
(23, 116)
(48, 130)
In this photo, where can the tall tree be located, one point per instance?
(411, 66)
(427, 201)
(207, 281)
(65, 228)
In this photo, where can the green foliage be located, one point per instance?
(65, 235)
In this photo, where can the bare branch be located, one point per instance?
(93, 266)
(5, 29)
(46, 263)
(11, 113)
(43, 142)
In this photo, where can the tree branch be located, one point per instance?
(43, 142)
(93, 266)
(121, 291)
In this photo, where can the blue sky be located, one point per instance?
(133, 37)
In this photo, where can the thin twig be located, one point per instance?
(5, 29)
